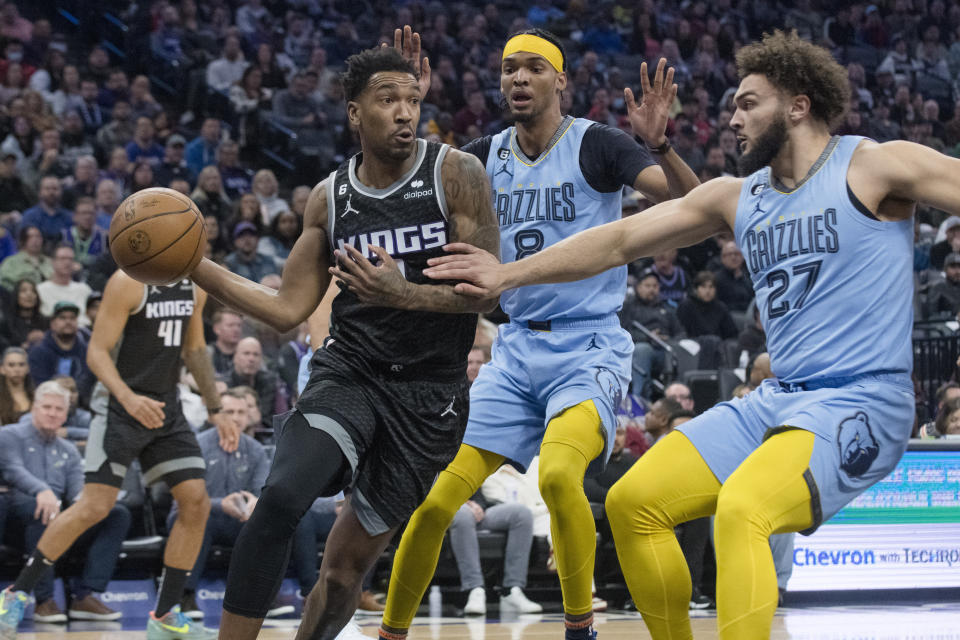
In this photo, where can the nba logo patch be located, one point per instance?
(503, 154)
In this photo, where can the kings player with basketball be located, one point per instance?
(149, 330)
(825, 224)
(562, 363)
(386, 404)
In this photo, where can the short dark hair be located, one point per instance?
(683, 413)
(944, 388)
(799, 68)
(943, 418)
(361, 66)
(549, 37)
(703, 277)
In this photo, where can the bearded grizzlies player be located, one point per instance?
(386, 404)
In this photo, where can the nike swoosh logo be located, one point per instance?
(182, 629)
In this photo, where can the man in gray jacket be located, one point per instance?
(44, 473)
(233, 483)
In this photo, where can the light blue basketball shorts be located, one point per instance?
(536, 374)
(862, 424)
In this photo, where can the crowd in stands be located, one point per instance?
(237, 104)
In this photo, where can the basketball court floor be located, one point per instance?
(880, 622)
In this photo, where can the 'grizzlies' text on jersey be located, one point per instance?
(833, 285)
(148, 358)
(408, 219)
(539, 202)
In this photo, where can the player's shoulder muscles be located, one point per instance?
(123, 293)
(315, 211)
(905, 171)
(468, 196)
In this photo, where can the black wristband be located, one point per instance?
(662, 149)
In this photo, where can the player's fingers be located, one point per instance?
(644, 79)
(398, 40)
(385, 257)
(658, 78)
(359, 259)
(668, 81)
(416, 45)
(629, 100)
(407, 41)
(425, 66)
(445, 270)
(673, 93)
(461, 247)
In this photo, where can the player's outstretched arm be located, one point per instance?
(472, 225)
(905, 172)
(305, 277)
(121, 297)
(709, 208)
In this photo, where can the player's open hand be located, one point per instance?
(649, 119)
(228, 431)
(146, 411)
(382, 284)
(407, 42)
(479, 269)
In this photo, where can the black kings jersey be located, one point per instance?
(148, 357)
(409, 220)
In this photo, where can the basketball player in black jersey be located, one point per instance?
(386, 405)
(150, 329)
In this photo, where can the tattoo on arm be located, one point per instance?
(469, 201)
(199, 364)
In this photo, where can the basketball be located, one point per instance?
(157, 236)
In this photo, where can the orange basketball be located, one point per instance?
(157, 236)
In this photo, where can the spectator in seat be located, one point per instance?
(209, 194)
(753, 339)
(945, 393)
(237, 179)
(62, 351)
(248, 371)
(49, 215)
(510, 516)
(45, 472)
(142, 102)
(656, 423)
(245, 260)
(144, 146)
(93, 115)
(672, 277)
(656, 316)
(296, 109)
(83, 182)
(943, 301)
(174, 165)
(734, 287)
(234, 480)
(228, 328)
(61, 287)
(950, 244)
(474, 113)
(226, 70)
(141, 177)
(77, 425)
(108, 197)
(15, 197)
(202, 150)
(248, 97)
(284, 231)
(29, 263)
(50, 161)
(680, 393)
(948, 421)
(22, 324)
(266, 188)
(119, 130)
(16, 387)
(477, 357)
(702, 314)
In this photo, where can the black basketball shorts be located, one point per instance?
(170, 453)
(398, 431)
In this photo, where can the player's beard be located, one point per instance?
(765, 148)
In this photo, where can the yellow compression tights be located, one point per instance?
(671, 484)
(572, 440)
(416, 559)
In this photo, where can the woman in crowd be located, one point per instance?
(266, 61)
(22, 141)
(248, 96)
(38, 111)
(209, 194)
(216, 237)
(948, 420)
(117, 166)
(284, 231)
(141, 177)
(266, 188)
(23, 324)
(248, 210)
(66, 93)
(16, 385)
(13, 82)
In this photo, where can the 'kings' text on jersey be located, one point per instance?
(408, 220)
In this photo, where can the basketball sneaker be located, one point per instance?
(176, 626)
(352, 632)
(12, 604)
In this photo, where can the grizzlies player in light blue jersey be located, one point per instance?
(562, 363)
(825, 225)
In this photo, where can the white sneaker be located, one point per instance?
(352, 632)
(476, 602)
(599, 604)
(518, 601)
